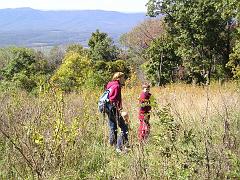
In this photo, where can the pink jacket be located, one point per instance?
(115, 95)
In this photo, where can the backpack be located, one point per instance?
(103, 102)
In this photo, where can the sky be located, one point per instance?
(109, 5)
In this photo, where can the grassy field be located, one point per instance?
(194, 135)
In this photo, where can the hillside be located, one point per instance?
(30, 27)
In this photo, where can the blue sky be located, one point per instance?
(111, 5)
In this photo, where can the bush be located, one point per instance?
(24, 68)
(73, 73)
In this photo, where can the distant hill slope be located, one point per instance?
(30, 27)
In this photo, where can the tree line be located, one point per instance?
(71, 69)
(200, 37)
(190, 41)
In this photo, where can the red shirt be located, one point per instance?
(115, 95)
(144, 101)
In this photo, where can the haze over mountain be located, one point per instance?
(33, 28)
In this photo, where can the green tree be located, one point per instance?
(25, 68)
(162, 60)
(101, 47)
(200, 31)
(5, 57)
(234, 58)
(105, 70)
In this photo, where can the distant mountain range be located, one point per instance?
(34, 28)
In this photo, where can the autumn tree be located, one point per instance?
(137, 41)
(140, 38)
(75, 72)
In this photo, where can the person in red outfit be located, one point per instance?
(144, 113)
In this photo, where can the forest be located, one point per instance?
(188, 50)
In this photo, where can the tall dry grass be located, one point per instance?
(194, 134)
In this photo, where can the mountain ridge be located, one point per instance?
(28, 27)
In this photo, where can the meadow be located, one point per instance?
(194, 135)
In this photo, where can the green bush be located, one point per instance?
(24, 68)
(73, 73)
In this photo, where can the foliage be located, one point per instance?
(101, 47)
(25, 68)
(234, 61)
(162, 60)
(73, 72)
(235, 163)
(77, 48)
(141, 36)
(139, 39)
(200, 30)
(5, 56)
(107, 69)
(55, 58)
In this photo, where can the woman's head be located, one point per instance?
(118, 76)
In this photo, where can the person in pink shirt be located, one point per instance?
(115, 95)
(144, 113)
(113, 111)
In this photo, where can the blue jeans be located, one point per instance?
(114, 120)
